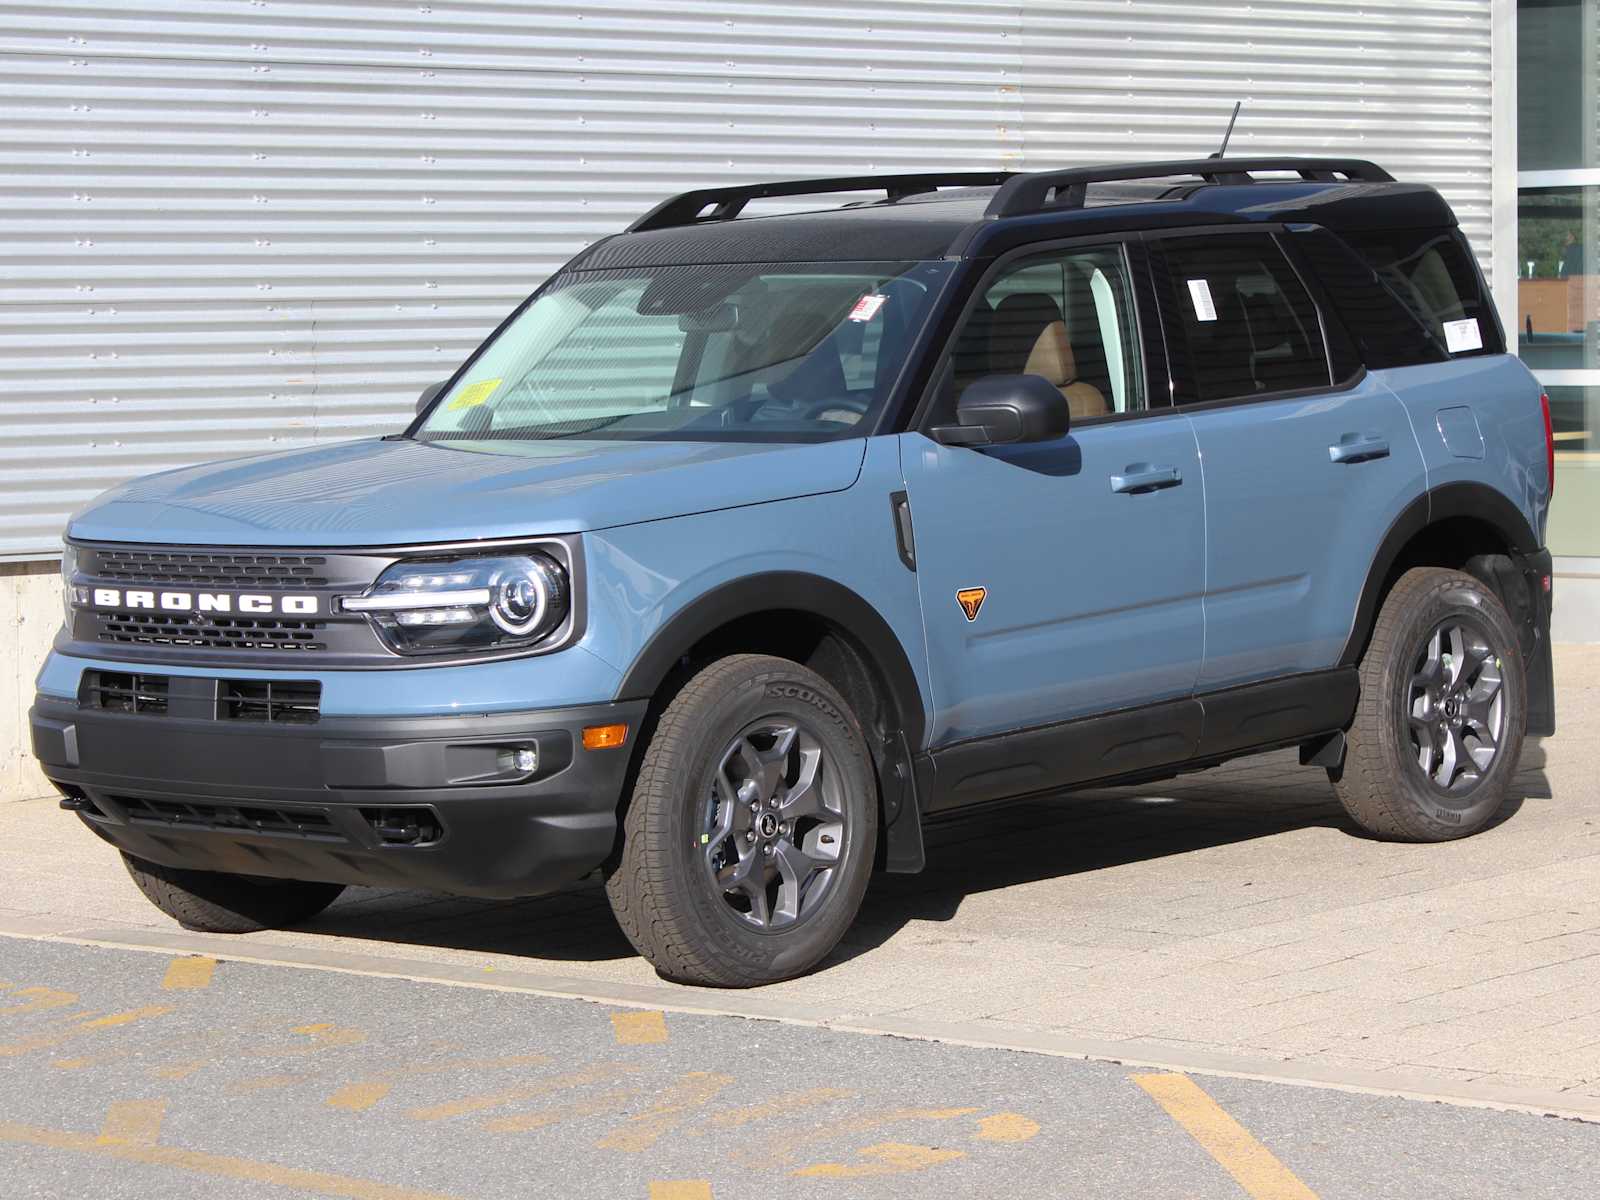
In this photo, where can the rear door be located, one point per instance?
(1307, 460)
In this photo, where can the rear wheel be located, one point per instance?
(1443, 707)
(749, 840)
(210, 902)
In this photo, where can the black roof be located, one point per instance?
(978, 214)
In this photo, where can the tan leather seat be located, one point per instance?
(1052, 357)
(1028, 337)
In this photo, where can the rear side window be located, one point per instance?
(1431, 273)
(1387, 333)
(1239, 321)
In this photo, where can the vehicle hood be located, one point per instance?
(396, 492)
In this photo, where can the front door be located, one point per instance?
(1058, 579)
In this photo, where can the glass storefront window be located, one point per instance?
(1556, 84)
(1575, 417)
(1558, 277)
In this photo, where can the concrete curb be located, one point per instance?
(754, 1006)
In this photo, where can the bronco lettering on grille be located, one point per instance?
(251, 603)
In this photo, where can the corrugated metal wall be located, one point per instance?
(235, 225)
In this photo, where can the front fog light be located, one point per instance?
(468, 604)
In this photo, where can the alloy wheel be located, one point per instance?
(1455, 710)
(774, 825)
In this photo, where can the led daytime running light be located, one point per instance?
(397, 601)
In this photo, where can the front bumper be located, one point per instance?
(414, 802)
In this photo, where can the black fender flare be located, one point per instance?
(840, 606)
(1461, 499)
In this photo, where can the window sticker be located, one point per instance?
(1461, 336)
(1200, 294)
(867, 307)
(474, 394)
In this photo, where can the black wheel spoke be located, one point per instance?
(774, 826)
(1455, 707)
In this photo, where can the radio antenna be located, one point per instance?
(1237, 105)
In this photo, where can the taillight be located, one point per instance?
(1549, 443)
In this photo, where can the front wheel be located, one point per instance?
(1443, 707)
(749, 840)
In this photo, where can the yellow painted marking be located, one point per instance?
(1252, 1165)
(1007, 1127)
(364, 1093)
(639, 1028)
(133, 1123)
(778, 1106)
(127, 1018)
(528, 1091)
(181, 1070)
(693, 1091)
(189, 973)
(358, 1097)
(782, 1149)
(680, 1189)
(596, 1106)
(39, 999)
(268, 1083)
(218, 1166)
(886, 1158)
(44, 1041)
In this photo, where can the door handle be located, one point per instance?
(1358, 447)
(1145, 477)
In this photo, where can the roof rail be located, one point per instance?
(685, 208)
(1039, 190)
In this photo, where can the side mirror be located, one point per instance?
(428, 395)
(1003, 409)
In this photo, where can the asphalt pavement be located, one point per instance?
(143, 1074)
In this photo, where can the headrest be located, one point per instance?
(1052, 356)
(1019, 328)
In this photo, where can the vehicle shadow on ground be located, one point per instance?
(986, 850)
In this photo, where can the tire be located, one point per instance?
(1444, 657)
(209, 902)
(754, 754)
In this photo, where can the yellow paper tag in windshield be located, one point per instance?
(474, 394)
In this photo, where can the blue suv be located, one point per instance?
(751, 544)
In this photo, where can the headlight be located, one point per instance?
(495, 603)
(69, 569)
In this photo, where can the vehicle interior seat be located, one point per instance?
(1028, 337)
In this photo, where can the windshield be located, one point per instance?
(769, 352)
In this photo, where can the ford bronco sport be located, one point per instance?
(750, 544)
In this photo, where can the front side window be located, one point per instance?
(1245, 325)
(1066, 316)
(764, 352)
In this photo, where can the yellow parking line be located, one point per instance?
(639, 1028)
(1251, 1164)
(47, 1041)
(220, 1166)
(1007, 1127)
(680, 1189)
(189, 973)
(133, 1123)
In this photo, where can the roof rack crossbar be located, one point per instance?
(688, 208)
(1040, 190)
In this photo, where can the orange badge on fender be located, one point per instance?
(971, 600)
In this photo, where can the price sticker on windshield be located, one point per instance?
(867, 307)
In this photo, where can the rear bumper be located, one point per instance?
(417, 802)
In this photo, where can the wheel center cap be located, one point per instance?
(767, 825)
(1452, 707)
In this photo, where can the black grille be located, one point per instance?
(211, 632)
(121, 692)
(201, 569)
(220, 815)
(293, 702)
